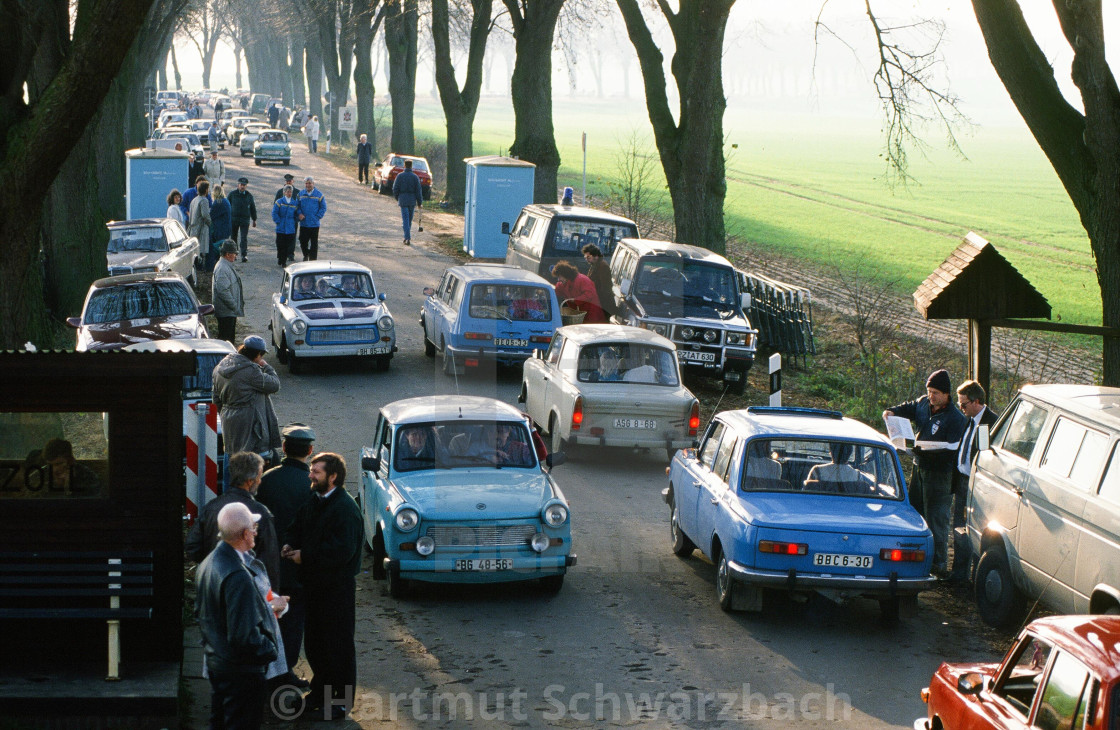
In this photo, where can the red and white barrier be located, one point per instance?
(200, 429)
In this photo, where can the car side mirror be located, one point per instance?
(429, 291)
(556, 459)
(371, 463)
(745, 300)
(382, 297)
(970, 683)
(283, 298)
(205, 309)
(983, 437)
(505, 228)
(74, 322)
(624, 287)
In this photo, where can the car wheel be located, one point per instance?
(1112, 610)
(682, 546)
(281, 350)
(888, 610)
(739, 386)
(448, 362)
(429, 348)
(556, 442)
(551, 584)
(243, 153)
(670, 453)
(377, 569)
(427, 193)
(383, 188)
(725, 586)
(192, 280)
(998, 600)
(295, 364)
(395, 584)
(287, 162)
(381, 363)
(257, 163)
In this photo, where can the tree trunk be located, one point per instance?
(313, 68)
(296, 73)
(237, 67)
(401, 27)
(175, 68)
(363, 75)
(534, 139)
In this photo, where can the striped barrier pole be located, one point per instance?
(776, 379)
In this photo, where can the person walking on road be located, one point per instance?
(285, 212)
(199, 221)
(365, 154)
(243, 384)
(289, 179)
(312, 208)
(227, 295)
(273, 115)
(214, 168)
(325, 541)
(238, 642)
(221, 218)
(311, 129)
(243, 211)
(409, 193)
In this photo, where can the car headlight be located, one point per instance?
(407, 520)
(287, 150)
(385, 323)
(539, 542)
(735, 338)
(710, 336)
(299, 327)
(555, 515)
(687, 333)
(425, 546)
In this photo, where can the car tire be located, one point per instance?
(449, 367)
(243, 153)
(738, 387)
(725, 586)
(556, 442)
(257, 163)
(377, 567)
(395, 584)
(427, 193)
(383, 188)
(287, 162)
(295, 364)
(192, 280)
(551, 584)
(429, 347)
(682, 546)
(889, 610)
(381, 363)
(281, 350)
(998, 600)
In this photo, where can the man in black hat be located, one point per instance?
(243, 210)
(288, 178)
(939, 427)
(284, 489)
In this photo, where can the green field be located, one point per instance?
(813, 188)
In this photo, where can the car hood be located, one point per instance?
(111, 335)
(476, 494)
(825, 513)
(334, 310)
(135, 259)
(677, 308)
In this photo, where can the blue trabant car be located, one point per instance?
(453, 491)
(482, 314)
(800, 500)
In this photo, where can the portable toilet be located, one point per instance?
(497, 189)
(150, 174)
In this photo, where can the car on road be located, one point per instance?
(122, 310)
(151, 244)
(386, 171)
(486, 314)
(1061, 672)
(171, 116)
(799, 500)
(543, 234)
(201, 127)
(610, 385)
(248, 136)
(272, 145)
(192, 140)
(227, 119)
(237, 126)
(331, 309)
(453, 491)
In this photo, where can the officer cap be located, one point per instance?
(243, 180)
(298, 432)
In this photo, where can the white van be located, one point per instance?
(1044, 510)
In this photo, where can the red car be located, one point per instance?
(1062, 672)
(384, 173)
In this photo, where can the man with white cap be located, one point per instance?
(243, 382)
(236, 623)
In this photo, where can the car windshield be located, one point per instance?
(701, 283)
(571, 235)
(139, 301)
(627, 362)
(137, 239)
(845, 468)
(511, 302)
(334, 285)
(190, 137)
(463, 445)
(273, 137)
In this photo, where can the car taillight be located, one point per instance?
(902, 556)
(476, 335)
(694, 418)
(782, 548)
(577, 414)
(541, 338)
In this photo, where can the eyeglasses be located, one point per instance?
(965, 402)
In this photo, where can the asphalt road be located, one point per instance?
(636, 637)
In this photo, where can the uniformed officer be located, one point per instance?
(284, 489)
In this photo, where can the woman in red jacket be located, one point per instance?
(575, 290)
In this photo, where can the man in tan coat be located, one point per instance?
(226, 292)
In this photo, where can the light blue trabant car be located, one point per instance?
(482, 314)
(331, 309)
(799, 500)
(453, 492)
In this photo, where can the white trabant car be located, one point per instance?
(610, 385)
(331, 309)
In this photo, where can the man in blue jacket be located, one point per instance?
(285, 212)
(409, 193)
(312, 208)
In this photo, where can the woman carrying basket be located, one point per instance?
(576, 291)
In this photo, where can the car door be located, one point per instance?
(280, 301)
(698, 474)
(1098, 552)
(180, 259)
(711, 502)
(539, 376)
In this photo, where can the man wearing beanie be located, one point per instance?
(938, 427)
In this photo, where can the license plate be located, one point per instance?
(510, 342)
(834, 560)
(647, 423)
(371, 351)
(694, 356)
(485, 564)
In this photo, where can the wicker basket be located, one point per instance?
(569, 315)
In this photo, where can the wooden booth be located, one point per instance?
(91, 554)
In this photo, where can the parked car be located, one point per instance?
(258, 103)
(237, 126)
(485, 314)
(122, 310)
(171, 116)
(151, 244)
(1044, 505)
(192, 140)
(453, 492)
(272, 145)
(691, 296)
(1062, 672)
(799, 500)
(227, 119)
(610, 385)
(248, 136)
(545, 234)
(331, 309)
(385, 172)
(201, 127)
(166, 96)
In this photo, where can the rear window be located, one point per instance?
(137, 239)
(511, 302)
(136, 301)
(842, 468)
(627, 362)
(570, 235)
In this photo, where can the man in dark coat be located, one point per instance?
(273, 115)
(325, 541)
(973, 403)
(365, 154)
(243, 212)
(237, 637)
(409, 193)
(284, 490)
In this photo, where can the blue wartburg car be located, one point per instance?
(483, 314)
(800, 500)
(453, 492)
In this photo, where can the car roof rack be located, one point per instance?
(793, 411)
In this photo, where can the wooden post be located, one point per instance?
(980, 352)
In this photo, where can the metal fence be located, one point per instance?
(782, 313)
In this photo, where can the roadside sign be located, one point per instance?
(348, 119)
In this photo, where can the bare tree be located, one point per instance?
(366, 22)
(638, 189)
(401, 39)
(202, 26)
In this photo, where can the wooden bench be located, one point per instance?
(67, 585)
